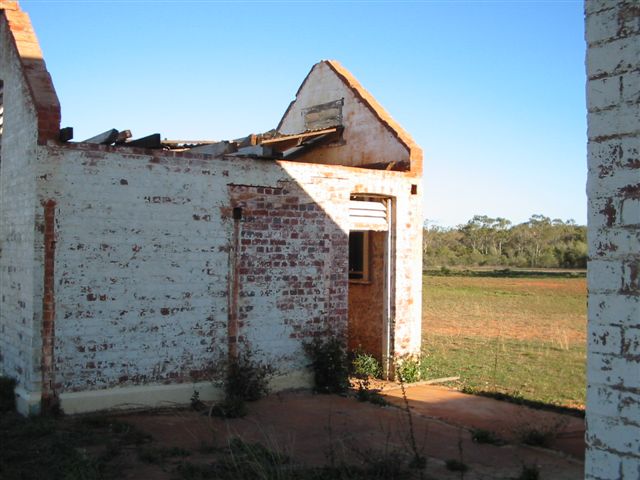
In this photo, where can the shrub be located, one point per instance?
(247, 379)
(329, 364)
(7, 394)
(365, 365)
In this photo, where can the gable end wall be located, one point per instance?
(367, 140)
(20, 273)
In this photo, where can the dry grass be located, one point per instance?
(516, 308)
(524, 337)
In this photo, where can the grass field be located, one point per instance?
(522, 336)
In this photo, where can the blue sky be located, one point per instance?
(493, 91)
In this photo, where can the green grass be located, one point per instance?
(518, 337)
(531, 370)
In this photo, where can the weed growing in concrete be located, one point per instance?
(230, 407)
(480, 435)
(158, 455)
(456, 465)
(408, 370)
(254, 461)
(529, 472)
(247, 381)
(242, 460)
(195, 402)
(418, 461)
(459, 465)
(365, 365)
(537, 438)
(378, 464)
(366, 394)
(329, 364)
(542, 434)
(7, 395)
(255, 458)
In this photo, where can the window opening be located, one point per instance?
(359, 256)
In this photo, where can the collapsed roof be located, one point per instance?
(332, 120)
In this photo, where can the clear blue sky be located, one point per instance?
(493, 91)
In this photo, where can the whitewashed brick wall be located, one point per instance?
(142, 261)
(613, 99)
(19, 317)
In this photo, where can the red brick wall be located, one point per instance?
(291, 268)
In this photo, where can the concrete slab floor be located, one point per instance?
(313, 429)
(509, 421)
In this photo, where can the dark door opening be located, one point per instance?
(369, 278)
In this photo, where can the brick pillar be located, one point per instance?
(613, 99)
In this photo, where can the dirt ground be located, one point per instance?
(316, 430)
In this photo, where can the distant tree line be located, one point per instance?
(538, 243)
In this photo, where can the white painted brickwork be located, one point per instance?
(613, 96)
(19, 313)
(142, 262)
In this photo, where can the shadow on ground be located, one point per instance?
(432, 433)
(447, 426)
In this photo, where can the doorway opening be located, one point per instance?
(370, 267)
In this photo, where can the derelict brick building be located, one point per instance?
(130, 269)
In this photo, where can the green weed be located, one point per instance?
(247, 381)
(480, 435)
(409, 370)
(329, 364)
(365, 365)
